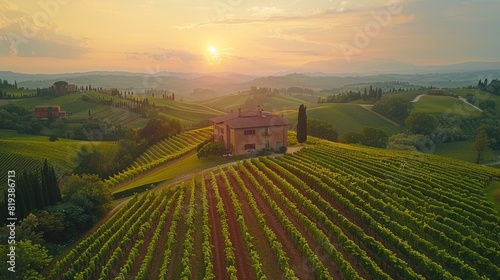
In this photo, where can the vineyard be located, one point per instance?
(28, 154)
(162, 152)
(329, 211)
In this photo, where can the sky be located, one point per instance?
(245, 36)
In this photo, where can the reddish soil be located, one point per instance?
(197, 260)
(143, 249)
(352, 259)
(296, 261)
(242, 262)
(174, 268)
(269, 262)
(160, 248)
(355, 220)
(315, 247)
(218, 254)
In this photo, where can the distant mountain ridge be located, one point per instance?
(222, 83)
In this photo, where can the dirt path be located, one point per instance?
(467, 102)
(417, 98)
(368, 107)
(218, 254)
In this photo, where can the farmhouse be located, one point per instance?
(246, 131)
(44, 111)
(62, 87)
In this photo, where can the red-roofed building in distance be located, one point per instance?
(247, 131)
(62, 87)
(44, 111)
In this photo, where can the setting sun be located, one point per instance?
(213, 55)
(213, 50)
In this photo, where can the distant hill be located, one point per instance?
(223, 83)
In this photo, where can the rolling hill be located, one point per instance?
(329, 211)
(27, 153)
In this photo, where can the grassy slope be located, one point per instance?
(26, 152)
(463, 150)
(179, 170)
(344, 117)
(479, 95)
(444, 105)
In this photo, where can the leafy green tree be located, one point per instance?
(302, 124)
(159, 128)
(33, 258)
(396, 108)
(374, 137)
(321, 129)
(411, 142)
(481, 145)
(87, 191)
(350, 138)
(211, 148)
(487, 104)
(421, 123)
(493, 134)
(74, 218)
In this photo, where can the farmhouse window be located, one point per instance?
(249, 146)
(249, 132)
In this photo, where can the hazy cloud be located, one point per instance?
(24, 36)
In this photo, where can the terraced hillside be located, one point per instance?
(162, 152)
(27, 152)
(329, 211)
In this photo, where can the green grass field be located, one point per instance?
(479, 95)
(464, 150)
(179, 170)
(444, 105)
(26, 152)
(345, 117)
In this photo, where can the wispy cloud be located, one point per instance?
(165, 55)
(21, 35)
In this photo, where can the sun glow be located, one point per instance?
(213, 55)
(213, 50)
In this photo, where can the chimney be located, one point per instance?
(231, 111)
(259, 112)
(239, 112)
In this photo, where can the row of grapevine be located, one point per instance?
(161, 153)
(433, 229)
(171, 237)
(256, 264)
(208, 266)
(272, 239)
(327, 211)
(300, 241)
(229, 249)
(189, 241)
(400, 238)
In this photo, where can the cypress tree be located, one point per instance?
(302, 124)
(55, 193)
(45, 184)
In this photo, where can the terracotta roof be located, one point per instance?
(249, 119)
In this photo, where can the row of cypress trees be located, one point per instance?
(34, 190)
